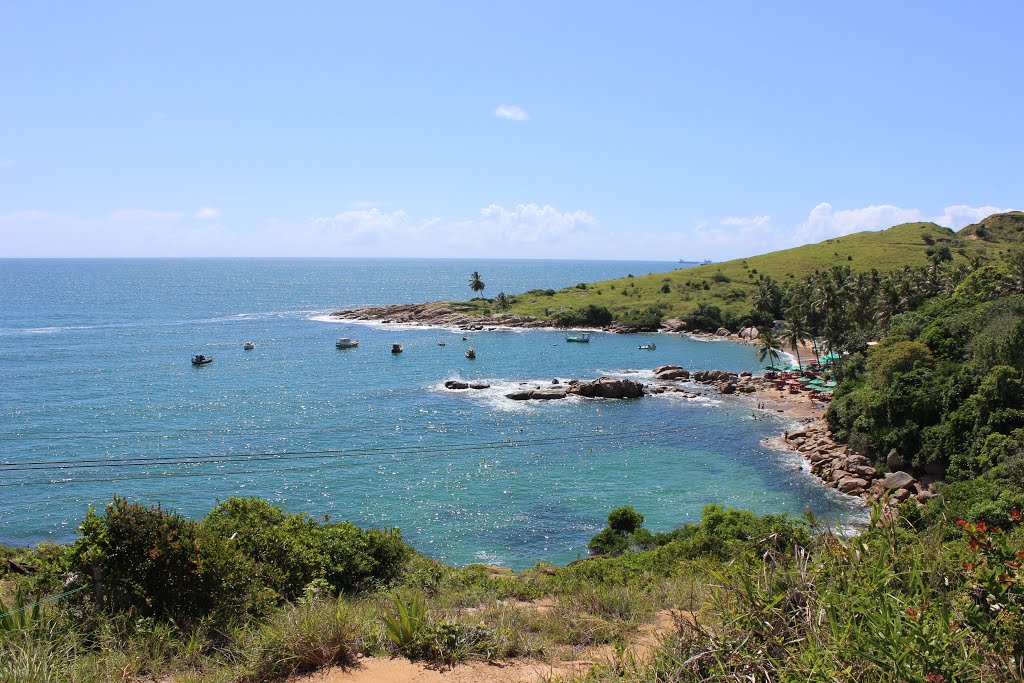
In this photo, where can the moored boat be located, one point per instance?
(249, 346)
(200, 359)
(470, 354)
(581, 338)
(396, 348)
(649, 346)
(346, 343)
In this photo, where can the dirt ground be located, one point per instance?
(400, 670)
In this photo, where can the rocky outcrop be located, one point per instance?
(443, 314)
(851, 472)
(673, 325)
(671, 372)
(458, 384)
(603, 387)
(749, 333)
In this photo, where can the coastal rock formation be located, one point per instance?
(603, 387)
(670, 372)
(607, 387)
(673, 325)
(850, 472)
(442, 313)
(458, 384)
(749, 333)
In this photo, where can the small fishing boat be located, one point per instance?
(470, 354)
(200, 359)
(649, 346)
(396, 348)
(249, 346)
(581, 338)
(346, 343)
(440, 343)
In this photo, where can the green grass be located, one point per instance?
(732, 285)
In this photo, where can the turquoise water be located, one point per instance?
(98, 397)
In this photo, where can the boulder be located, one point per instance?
(479, 385)
(893, 461)
(456, 384)
(750, 333)
(897, 481)
(608, 387)
(520, 395)
(673, 325)
(852, 485)
(729, 388)
(547, 394)
(722, 332)
(671, 372)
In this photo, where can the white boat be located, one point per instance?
(346, 343)
(249, 346)
(649, 346)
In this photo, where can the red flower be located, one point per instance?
(911, 611)
(1015, 514)
(973, 543)
(982, 526)
(960, 522)
(969, 566)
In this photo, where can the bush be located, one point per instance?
(644, 319)
(597, 316)
(157, 563)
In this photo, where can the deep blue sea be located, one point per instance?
(98, 398)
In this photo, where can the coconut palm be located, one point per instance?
(502, 302)
(795, 334)
(475, 283)
(768, 346)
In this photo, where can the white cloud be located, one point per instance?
(532, 223)
(511, 112)
(961, 215)
(824, 222)
(208, 213)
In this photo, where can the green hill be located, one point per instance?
(732, 285)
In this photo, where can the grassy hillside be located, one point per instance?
(732, 285)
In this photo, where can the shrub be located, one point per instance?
(645, 319)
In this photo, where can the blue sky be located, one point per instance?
(528, 129)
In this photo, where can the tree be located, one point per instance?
(768, 346)
(475, 283)
(502, 303)
(795, 334)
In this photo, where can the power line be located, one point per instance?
(417, 454)
(86, 463)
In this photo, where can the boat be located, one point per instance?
(440, 343)
(470, 354)
(200, 359)
(581, 338)
(396, 348)
(649, 346)
(249, 346)
(346, 343)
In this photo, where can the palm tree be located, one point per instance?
(475, 283)
(501, 302)
(795, 334)
(768, 346)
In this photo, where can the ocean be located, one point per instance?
(98, 398)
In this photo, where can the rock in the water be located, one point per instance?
(547, 394)
(608, 387)
(520, 395)
(671, 372)
(456, 384)
(479, 385)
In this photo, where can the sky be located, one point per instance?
(599, 130)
